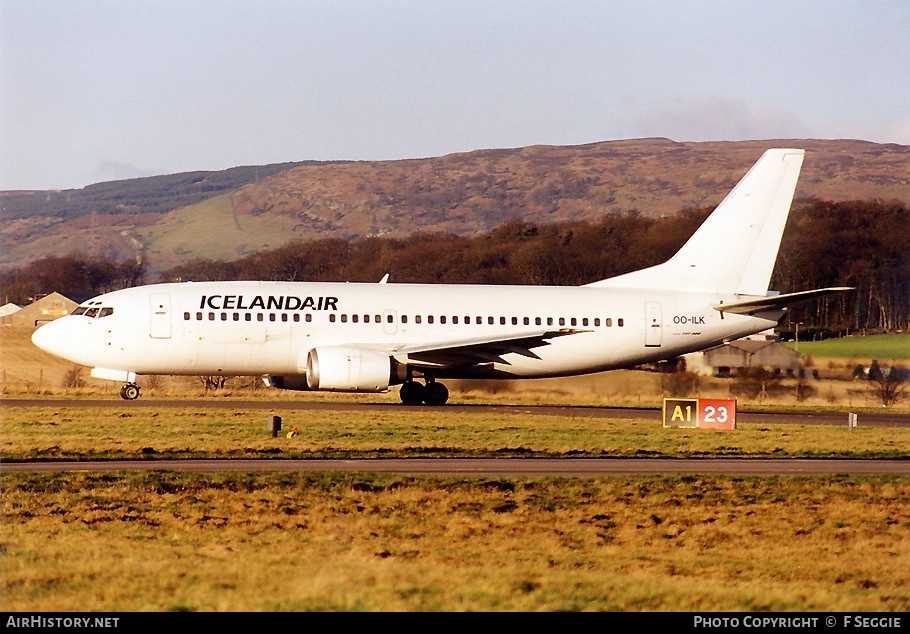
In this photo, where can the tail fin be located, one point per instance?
(735, 249)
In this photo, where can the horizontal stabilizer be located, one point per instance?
(776, 302)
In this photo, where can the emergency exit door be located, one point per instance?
(160, 315)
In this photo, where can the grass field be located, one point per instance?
(362, 542)
(859, 349)
(162, 541)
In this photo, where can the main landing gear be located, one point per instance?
(129, 392)
(433, 393)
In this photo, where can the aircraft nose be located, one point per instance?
(52, 337)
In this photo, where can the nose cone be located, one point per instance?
(55, 337)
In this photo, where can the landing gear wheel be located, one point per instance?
(129, 392)
(436, 393)
(411, 393)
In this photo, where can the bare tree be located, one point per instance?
(890, 385)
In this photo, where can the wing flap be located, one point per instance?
(482, 349)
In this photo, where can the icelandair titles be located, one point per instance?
(269, 302)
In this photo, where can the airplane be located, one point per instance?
(368, 337)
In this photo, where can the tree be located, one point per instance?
(889, 385)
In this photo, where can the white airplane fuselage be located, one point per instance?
(251, 328)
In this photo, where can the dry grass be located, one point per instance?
(247, 542)
(83, 433)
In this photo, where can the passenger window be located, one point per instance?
(284, 316)
(537, 321)
(355, 318)
(260, 317)
(378, 319)
(404, 319)
(562, 321)
(366, 319)
(597, 321)
(549, 321)
(223, 316)
(454, 319)
(236, 316)
(491, 321)
(248, 316)
(584, 322)
(619, 322)
(574, 321)
(417, 319)
(429, 319)
(199, 316)
(609, 322)
(442, 319)
(389, 319)
(186, 316)
(296, 317)
(271, 316)
(309, 317)
(211, 316)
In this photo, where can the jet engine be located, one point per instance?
(347, 369)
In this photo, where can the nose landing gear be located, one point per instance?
(129, 392)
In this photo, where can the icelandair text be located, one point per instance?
(268, 302)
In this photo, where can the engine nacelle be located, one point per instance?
(347, 369)
(295, 382)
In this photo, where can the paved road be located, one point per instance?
(873, 419)
(574, 467)
(520, 467)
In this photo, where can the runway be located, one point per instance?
(491, 467)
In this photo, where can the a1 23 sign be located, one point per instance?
(709, 413)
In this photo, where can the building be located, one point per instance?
(41, 311)
(9, 309)
(727, 359)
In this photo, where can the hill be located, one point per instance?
(169, 220)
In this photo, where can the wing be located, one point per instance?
(467, 352)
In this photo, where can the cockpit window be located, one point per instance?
(93, 311)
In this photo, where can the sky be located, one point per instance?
(100, 90)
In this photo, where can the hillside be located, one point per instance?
(467, 193)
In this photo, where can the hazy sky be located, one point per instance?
(97, 90)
